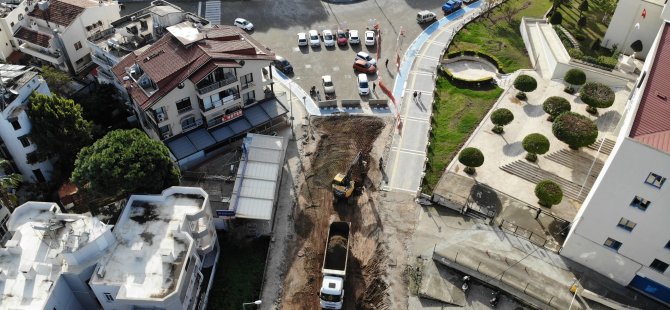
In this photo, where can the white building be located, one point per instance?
(49, 258)
(622, 229)
(19, 82)
(54, 31)
(164, 242)
(628, 25)
(133, 32)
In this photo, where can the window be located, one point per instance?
(15, 123)
(247, 80)
(644, 74)
(80, 61)
(39, 176)
(24, 141)
(11, 24)
(20, 16)
(655, 180)
(161, 114)
(109, 297)
(658, 265)
(249, 98)
(144, 25)
(626, 224)
(77, 46)
(188, 123)
(184, 105)
(611, 243)
(640, 203)
(667, 245)
(3, 225)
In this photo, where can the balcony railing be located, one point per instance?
(184, 109)
(221, 102)
(190, 126)
(247, 85)
(227, 80)
(97, 36)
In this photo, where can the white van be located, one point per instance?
(425, 17)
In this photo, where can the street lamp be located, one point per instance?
(257, 302)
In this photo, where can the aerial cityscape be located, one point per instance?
(334, 154)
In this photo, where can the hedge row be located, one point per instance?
(490, 58)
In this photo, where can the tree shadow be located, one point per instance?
(486, 198)
(608, 121)
(513, 149)
(532, 110)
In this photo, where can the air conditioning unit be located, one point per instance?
(166, 135)
(161, 117)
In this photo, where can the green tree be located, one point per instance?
(556, 18)
(535, 144)
(471, 158)
(555, 106)
(596, 95)
(8, 181)
(500, 118)
(104, 110)
(525, 83)
(583, 7)
(57, 80)
(575, 77)
(549, 193)
(58, 129)
(574, 129)
(123, 162)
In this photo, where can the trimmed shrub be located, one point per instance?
(596, 95)
(521, 96)
(535, 144)
(581, 22)
(575, 53)
(607, 62)
(471, 158)
(637, 46)
(575, 130)
(555, 106)
(525, 83)
(556, 18)
(596, 44)
(548, 193)
(575, 77)
(500, 118)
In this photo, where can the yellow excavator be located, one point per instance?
(344, 184)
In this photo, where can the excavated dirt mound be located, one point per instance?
(338, 140)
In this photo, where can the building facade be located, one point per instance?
(164, 242)
(18, 83)
(621, 231)
(54, 31)
(634, 20)
(49, 258)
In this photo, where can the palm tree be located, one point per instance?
(6, 182)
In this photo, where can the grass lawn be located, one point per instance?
(457, 113)
(500, 38)
(594, 29)
(239, 273)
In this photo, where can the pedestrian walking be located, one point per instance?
(420, 97)
(374, 87)
(537, 215)
(386, 63)
(415, 94)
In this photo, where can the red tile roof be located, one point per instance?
(169, 62)
(63, 12)
(652, 121)
(33, 36)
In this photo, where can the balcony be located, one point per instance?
(101, 60)
(219, 103)
(44, 53)
(184, 109)
(227, 80)
(191, 126)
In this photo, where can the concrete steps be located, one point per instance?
(535, 174)
(607, 147)
(577, 161)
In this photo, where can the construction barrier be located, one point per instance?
(327, 104)
(350, 103)
(378, 103)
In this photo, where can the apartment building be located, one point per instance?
(133, 32)
(634, 20)
(194, 81)
(49, 257)
(18, 83)
(622, 229)
(54, 31)
(165, 243)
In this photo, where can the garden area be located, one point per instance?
(497, 33)
(458, 111)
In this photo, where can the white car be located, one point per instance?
(302, 39)
(314, 38)
(363, 85)
(370, 38)
(353, 37)
(365, 56)
(244, 24)
(328, 38)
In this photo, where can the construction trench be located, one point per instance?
(337, 141)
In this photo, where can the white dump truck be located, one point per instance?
(334, 268)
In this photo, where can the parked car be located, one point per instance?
(302, 39)
(314, 39)
(364, 67)
(244, 24)
(282, 65)
(451, 6)
(363, 85)
(370, 38)
(469, 1)
(328, 38)
(353, 37)
(341, 37)
(328, 87)
(365, 56)
(425, 17)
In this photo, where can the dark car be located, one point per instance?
(283, 65)
(451, 6)
(364, 67)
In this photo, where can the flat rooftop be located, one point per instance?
(149, 256)
(43, 243)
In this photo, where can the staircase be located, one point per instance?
(607, 146)
(535, 174)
